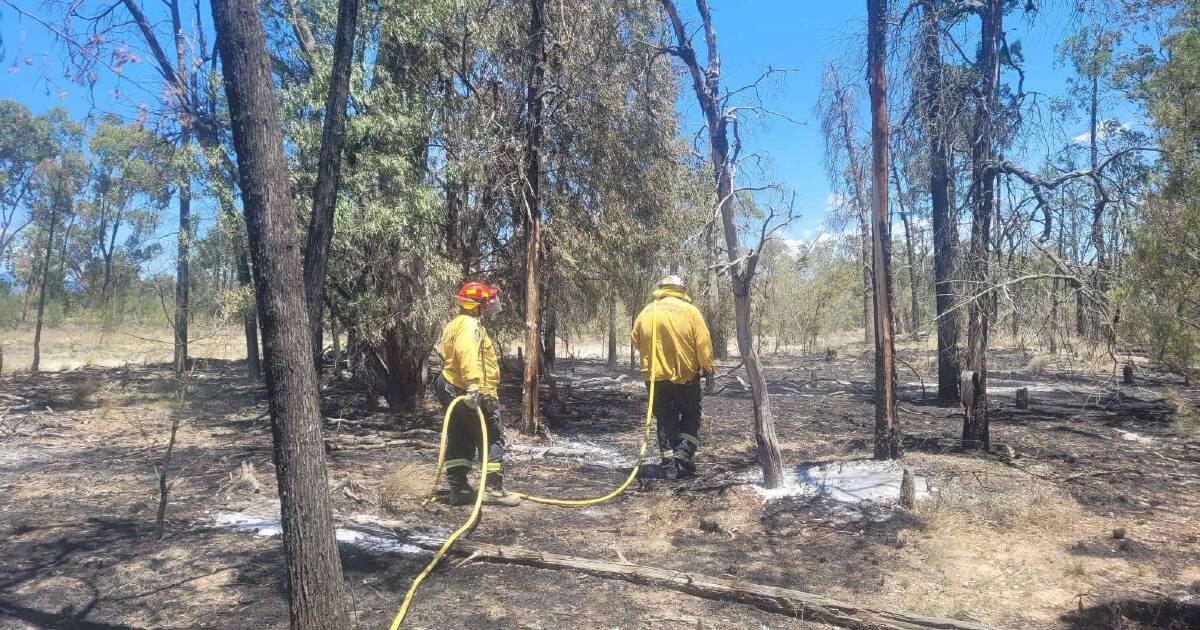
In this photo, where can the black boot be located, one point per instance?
(461, 492)
(661, 470)
(496, 494)
(685, 467)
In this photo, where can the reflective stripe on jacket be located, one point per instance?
(468, 356)
(684, 348)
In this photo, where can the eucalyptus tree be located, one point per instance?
(316, 591)
(25, 140)
(58, 180)
(128, 190)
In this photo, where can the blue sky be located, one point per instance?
(800, 36)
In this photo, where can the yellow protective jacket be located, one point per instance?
(468, 356)
(684, 348)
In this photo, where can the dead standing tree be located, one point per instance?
(983, 209)
(535, 100)
(887, 439)
(741, 267)
(316, 591)
(837, 114)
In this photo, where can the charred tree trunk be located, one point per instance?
(707, 86)
(249, 317)
(329, 169)
(975, 434)
(887, 436)
(533, 219)
(317, 595)
(397, 369)
(945, 232)
(550, 333)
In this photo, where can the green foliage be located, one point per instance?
(1163, 305)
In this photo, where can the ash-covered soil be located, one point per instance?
(1092, 524)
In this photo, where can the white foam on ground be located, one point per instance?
(269, 527)
(1130, 436)
(853, 482)
(583, 451)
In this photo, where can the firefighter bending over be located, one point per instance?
(684, 355)
(470, 369)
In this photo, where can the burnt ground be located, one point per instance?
(1092, 525)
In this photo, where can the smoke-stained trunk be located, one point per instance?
(249, 315)
(533, 219)
(887, 436)
(975, 434)
(945, 221)
(329, 168)
(316, 592)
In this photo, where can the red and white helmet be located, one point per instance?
(473, 294)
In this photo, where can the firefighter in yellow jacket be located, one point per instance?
(470, 369)
(684, 355)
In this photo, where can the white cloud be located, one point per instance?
(1104, 130)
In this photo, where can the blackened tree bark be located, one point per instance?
(975, 434)
(329, 168)
(533, 219)
(249, 315)
(316, 592)
(887, 436)
(707, 86)
(945, 232)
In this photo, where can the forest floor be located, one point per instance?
(1095, 523)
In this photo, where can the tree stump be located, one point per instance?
(908, 490)
(1023, 398)
(1127, 374)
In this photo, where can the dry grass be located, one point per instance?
(1185, 416)
(77, 345)
(992, 539)
(408, 484)
(1038, 364)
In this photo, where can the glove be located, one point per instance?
(472, 397)
(710, 383)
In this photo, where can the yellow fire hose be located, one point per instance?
(437, 557)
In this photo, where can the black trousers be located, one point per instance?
(463, 440)
(677, 410)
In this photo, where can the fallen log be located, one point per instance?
(339, 445)
(782, 601)
(797, 604)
